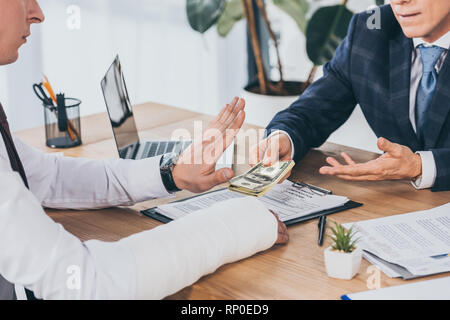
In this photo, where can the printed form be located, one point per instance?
(418, 241)
(288, 200)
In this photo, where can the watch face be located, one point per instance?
(169, 160)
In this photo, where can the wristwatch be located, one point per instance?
(166, 165)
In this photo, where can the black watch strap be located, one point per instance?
(166, 167)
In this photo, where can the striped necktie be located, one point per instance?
(427, 86)
(6, 288)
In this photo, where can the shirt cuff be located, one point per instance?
(290, 139)
(145, 182)
(429, 171)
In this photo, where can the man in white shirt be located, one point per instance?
(399, 75)
(39, 255)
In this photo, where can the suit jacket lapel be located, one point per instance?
(440, 106)
(400, 51)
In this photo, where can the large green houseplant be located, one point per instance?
(324, 31)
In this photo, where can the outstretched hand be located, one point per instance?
(196, 168)
(397, 163)
(270, 150)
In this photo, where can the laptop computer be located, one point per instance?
(124, 128)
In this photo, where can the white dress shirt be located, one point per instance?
(429, 170)
(37, 253)
(428, 177)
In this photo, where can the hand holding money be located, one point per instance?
(260, 179)
(276, 147)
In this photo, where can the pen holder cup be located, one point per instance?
(63, 130)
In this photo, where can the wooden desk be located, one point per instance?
(294, 271)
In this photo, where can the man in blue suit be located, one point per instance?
(400, 76)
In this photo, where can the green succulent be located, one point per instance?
(342, 238)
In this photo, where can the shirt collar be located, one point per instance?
(443, 42)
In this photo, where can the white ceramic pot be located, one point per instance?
(342, 265)
(260, 109)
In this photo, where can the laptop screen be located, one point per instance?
(119, 107)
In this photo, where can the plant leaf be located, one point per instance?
(297, 9)
(203, 14)
(234, 12)
(326, 30)
(342, 238)
(333, 230)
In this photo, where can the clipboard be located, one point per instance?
(154, 214)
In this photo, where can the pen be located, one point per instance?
(49, 88)
(322, 223)
(441, 256)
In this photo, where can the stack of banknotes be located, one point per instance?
(260, 179)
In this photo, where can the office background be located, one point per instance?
(164, 60)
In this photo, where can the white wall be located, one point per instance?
(164, 60)
(16, 80)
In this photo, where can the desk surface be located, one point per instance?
(294, 271)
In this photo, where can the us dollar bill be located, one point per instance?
(260, 179)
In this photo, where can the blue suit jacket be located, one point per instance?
(371, 68)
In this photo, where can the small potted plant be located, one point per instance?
(343, 257)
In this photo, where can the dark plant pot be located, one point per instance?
(290, 88)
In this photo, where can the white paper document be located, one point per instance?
(418, 241)
(288, 200)
(437, 289)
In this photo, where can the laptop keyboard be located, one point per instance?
(127, 152)
(153, 149)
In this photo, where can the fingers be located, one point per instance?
(221, 114)
(237, 122)
(226, 111)
(279, 149)
(285, 158)
(285, 177)
(229, 134)
(336, 164)
(369, 168)
(360, 178)
(230, 128)
(333, 162)
(216, 178)
(257, 152)
(283, 235)
(348, 159)
(270, 150)
(377, 167)
(227, 121)
(273, 152)
(389, 147)
(271, 155)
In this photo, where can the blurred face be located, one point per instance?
(16, 17)
(426, 19)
